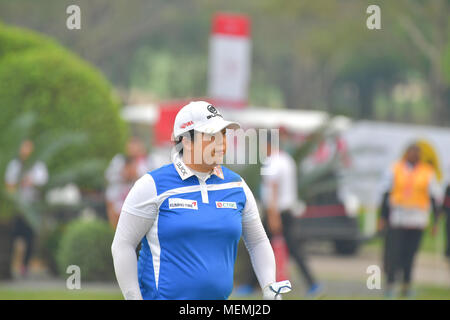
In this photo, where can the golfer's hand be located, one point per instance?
(274, 290)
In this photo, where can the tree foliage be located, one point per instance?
(302, 51)
(65, 93)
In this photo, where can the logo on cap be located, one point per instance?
(186, 124)
(214, 112)
(211, 108)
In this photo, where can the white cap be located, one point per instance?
(201, 116)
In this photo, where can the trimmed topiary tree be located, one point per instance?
(87, 244)
(66, 94)
(73, 116)
(14, 40)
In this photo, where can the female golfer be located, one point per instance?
(189, 216)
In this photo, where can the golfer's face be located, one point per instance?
(211, 147)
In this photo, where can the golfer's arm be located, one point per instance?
(130, 231)
(260, 251)
(257, 243)
(139, 211)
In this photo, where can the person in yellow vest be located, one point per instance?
(410, 193)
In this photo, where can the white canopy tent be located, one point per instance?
(145, 114)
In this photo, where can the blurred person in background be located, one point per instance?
(446, 207)
(121, 174)
(25, 178)
(279, 198)
(410, 191)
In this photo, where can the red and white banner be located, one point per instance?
(229, 60)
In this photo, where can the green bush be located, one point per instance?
(50, 244)
(65, 93)
(14, 40)
(87, 244)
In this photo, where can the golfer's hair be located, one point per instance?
(178, 142)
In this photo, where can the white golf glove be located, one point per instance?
(274, 290)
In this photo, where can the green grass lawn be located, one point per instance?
(13, 294)
(423, 293)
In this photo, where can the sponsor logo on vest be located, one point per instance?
(177, 203)
(181, 168)
(226, 205)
